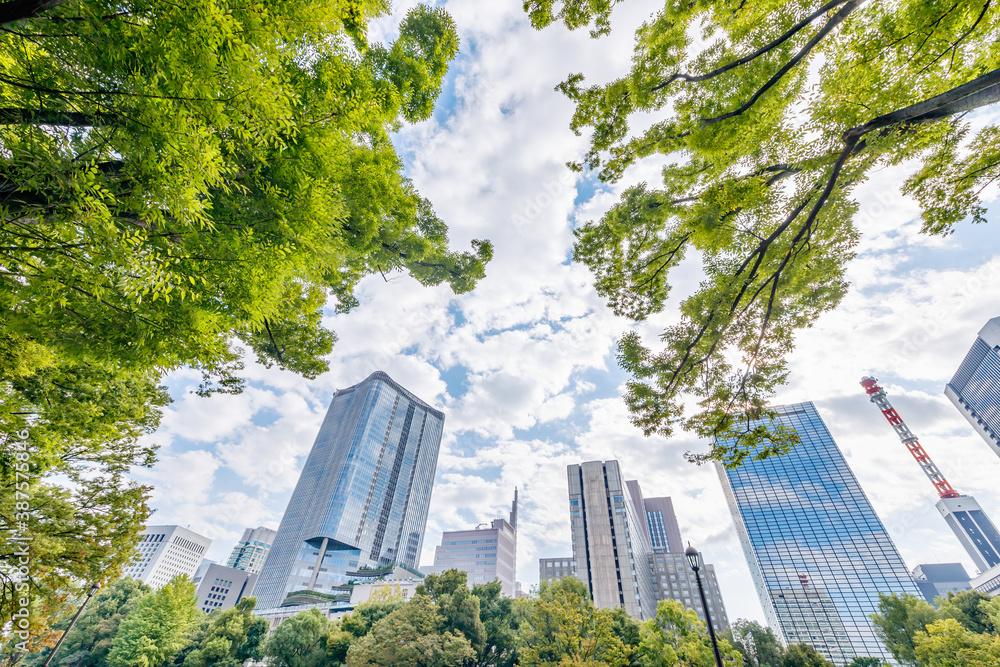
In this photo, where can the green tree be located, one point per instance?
(865, 662)
(414, 635)
(456, 603)
(566, 629)
(897, 621)
(770, 114)
(502, 619)
(968, 608)
(165, 193)
(300, 641)
(89, 642)
(360, 621)
(804, 655)
(157, 627)
(758, 644)
(678, 638)
(947, 643)
(233, 637)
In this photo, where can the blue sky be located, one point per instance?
(524, 366)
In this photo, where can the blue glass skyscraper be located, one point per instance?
(975, 389)
(363, 495)
(818, 553)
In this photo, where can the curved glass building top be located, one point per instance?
(818, 553)
(363, 495)
(975, 388)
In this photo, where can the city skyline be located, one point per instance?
(525, 365)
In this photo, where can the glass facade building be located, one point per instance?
(818, 554)
(363, 495)
(975, 389)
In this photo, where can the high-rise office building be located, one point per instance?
(551, 570)
(610, 546)
(664, 533)
(672, 576)
(485, 553)
(973, 528)
(363, 495)
(252, 549)
(975, 389)
(818, 554)
(165, 552)
(221, 587)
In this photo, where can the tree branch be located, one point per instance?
(18, 10)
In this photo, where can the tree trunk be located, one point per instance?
(17, 10)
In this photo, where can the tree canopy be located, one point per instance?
(770, 114)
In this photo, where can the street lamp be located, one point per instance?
(55, 649)
(694, 559)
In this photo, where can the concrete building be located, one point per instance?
(165, 552)
(551, 570)
(806, 525)
(485, 553)
(973, 529)
(664, 533)
(252, 549)
(938, 579)
(363, 495)
(671, 574)
(975, 388)
(988, 582)
(221, 587)
(610, 546)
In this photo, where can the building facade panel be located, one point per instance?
(609, 539)
(221, 587)
(251, 551)
(363, 495)
(975, 387)
(811, 536)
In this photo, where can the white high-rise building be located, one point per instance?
(165, 552)
(484, 553)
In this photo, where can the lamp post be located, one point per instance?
(55, 649)
(694, 559)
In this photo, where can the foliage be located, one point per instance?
(865, 662)
(90, 640)
(947, 643)
(175, 175)
(502, 619)
(566, 629)
(804, 655)
(678, 638)
(157, 627)
(969, 608)
(234, 636)
(768, 115)
(758, 644)
(300, 641)
(415, 634)
(360, 621)
(898, 619)
(456, 603)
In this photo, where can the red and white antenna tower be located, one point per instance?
(879, 398)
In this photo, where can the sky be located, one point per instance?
(524, 366)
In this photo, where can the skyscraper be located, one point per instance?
(251, 551)
(483, 553)
(363, 495)
(610, 546)
(818, 554)
(672, 576)
(165, 552)
(975, 389)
